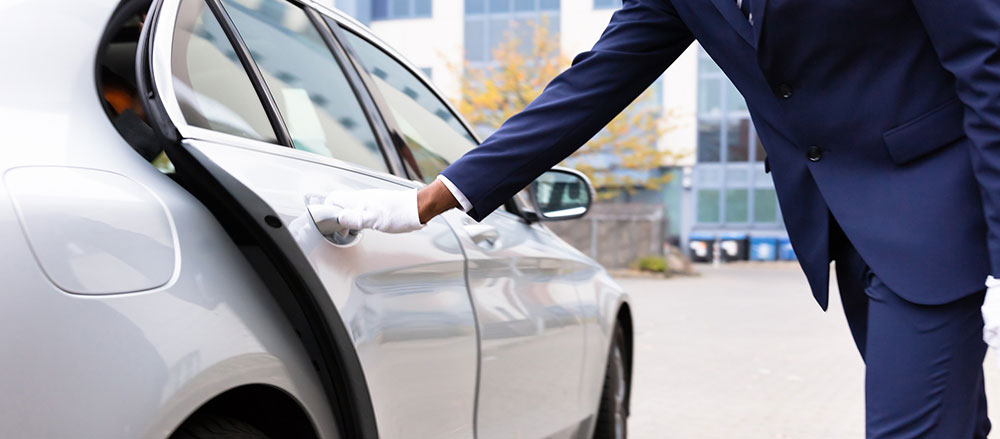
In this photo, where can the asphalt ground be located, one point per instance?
(743, 352)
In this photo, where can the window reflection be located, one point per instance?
(212, 87)
(313, 95)
(434, 136)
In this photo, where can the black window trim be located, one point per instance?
(337, 28)
(256, 78)
(389, 121)
(361, 92)
(393, 164)
(298, 291)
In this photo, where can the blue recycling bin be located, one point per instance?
(700, 246)
(763, 248)
(785, 252)
(733, 247)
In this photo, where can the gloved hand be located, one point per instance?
(991, 313)
(389, 211)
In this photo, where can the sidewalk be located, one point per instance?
(743, 351)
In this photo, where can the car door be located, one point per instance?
(264, 109)
(525, 282)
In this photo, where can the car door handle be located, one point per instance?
(483, 235)
(325, 217)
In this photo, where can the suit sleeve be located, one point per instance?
(966, 36)
(641, 40)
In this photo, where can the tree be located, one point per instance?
(623, 157)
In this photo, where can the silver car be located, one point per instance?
(171, 266)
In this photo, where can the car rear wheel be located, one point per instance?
(217, 427)
(613, 413)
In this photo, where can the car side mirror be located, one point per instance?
(561, 194)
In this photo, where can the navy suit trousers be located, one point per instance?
(924, 363)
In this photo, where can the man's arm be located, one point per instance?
(966, 36)
(641, 40)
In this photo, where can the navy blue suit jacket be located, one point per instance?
(884, 113)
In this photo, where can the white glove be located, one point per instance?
(991, 313)
(389, 211)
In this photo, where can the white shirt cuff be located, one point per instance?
(462, 200)
(992, 282)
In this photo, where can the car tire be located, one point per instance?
(613, 412)
(216, 427)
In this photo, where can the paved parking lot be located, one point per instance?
(743, 351)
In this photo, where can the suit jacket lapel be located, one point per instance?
(759, 10)
(732, 14)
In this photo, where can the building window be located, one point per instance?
(489, 23)
(394, 9)
(737, 210)
(605, 4)
(765, 206)
(708, 206)
(730, 185)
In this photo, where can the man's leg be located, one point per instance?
(852, 281)
(924, 377)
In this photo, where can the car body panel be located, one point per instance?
(126, 365)
(139, 363)
(83, 224)
(532, 339)
(403, 298)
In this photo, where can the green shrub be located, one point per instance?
(655, 264)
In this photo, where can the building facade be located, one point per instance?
(720, 188)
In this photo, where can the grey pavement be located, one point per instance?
(743, 352)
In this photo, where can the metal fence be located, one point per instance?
(616, 234)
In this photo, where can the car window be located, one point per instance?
(312, 92)
(434, 135)
(212, 88)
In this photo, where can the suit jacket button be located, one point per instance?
(814, 153)
(784, 91)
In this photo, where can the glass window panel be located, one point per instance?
(524, 31)
(212, 87)
(765, 206)
(498, 33)
(706, 66)
(434, 135)
(313, 94)
(709, 96)
(499, 5)
(549, 5)
(708, 206)
(734, 100)
(709, 141)
(759, 154)
(552, 23)
(737, 140)
(736, 205)
(400, 8)
(737, 176)
(475, 6)
(607, 4)
(475, 40)
(524, 5)
(422, 8)
(380, 9)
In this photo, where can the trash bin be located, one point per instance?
(700, 247)
(734, 247)
(785, 252)
(763, 248)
